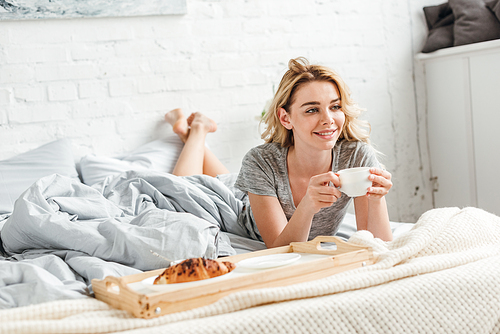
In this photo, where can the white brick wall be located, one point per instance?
(106, 83)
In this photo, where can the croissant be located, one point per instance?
(194, 269)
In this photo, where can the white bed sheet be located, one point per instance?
(346, 230)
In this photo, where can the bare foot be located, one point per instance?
(199, 120)
(179, 123)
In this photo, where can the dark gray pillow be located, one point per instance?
(439, 15)
(439, 21)
(474, 22)
(494, 6)
(439, 38)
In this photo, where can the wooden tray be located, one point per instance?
(128, 293)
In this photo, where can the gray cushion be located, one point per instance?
(438, 15)
(439, 21)
(474, 22)
(494, 6)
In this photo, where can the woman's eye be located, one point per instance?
(336, 107)
(308, 111)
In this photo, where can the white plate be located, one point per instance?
(149, 283)
(269, 261)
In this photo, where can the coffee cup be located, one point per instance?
(354, 182)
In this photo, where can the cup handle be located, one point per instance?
(332, 185)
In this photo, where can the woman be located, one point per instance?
(312, 131)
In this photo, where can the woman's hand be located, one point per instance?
(371, 210)
(381, 183)
(319, 193)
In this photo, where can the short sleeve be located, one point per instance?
(367, 156)
(258, 172)
(355, 154)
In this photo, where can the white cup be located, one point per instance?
(354, 182)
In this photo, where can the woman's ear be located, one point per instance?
(285, 119)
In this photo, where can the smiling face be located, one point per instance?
(315, 116)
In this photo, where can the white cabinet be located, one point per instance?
(463, 124)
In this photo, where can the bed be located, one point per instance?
(64, 223)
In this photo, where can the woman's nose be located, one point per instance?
(326, 117)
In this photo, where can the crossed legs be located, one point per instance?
(195, 157)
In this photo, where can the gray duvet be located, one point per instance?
(62, 233)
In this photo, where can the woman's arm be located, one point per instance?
(371, 209)
(273, 225)
(271, 220)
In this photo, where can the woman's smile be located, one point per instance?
(326, 134)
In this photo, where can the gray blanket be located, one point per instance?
(62, 233)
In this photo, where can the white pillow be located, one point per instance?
(18, 173)
(159, 155)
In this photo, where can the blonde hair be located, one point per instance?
(301, 72)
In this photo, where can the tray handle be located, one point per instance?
(111, 288)
(314, 246)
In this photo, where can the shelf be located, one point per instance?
(461, 50)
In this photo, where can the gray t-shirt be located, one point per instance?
(264, 172)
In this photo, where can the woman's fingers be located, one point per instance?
(381, 182)
(321, 191)
(328, 184)
(325, 179)
(328, 194)
(380, 172)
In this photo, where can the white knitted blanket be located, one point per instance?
(443, 276)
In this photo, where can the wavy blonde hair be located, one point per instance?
(301, 72)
